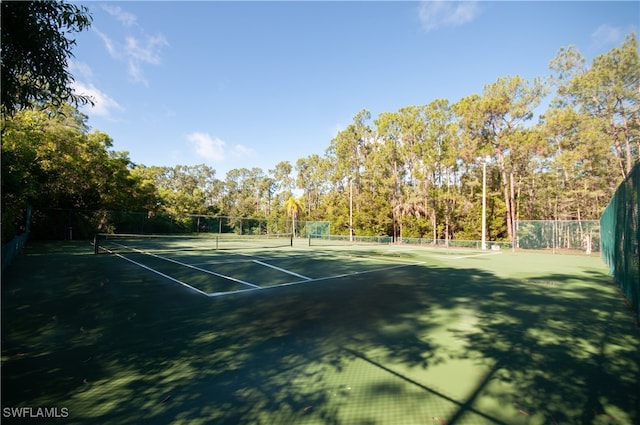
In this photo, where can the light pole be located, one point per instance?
(484, 202)
(350, 209)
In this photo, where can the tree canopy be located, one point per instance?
(36, 47)
(414, 172)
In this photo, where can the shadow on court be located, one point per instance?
(443, 342)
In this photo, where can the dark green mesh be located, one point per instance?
(620, 242)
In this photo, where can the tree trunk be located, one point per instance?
(433, 223)
(514, 206)
(507, 197)
(293, 225)
(446, 226)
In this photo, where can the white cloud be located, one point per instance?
(215, 149)
(127, 19)
(137, 48)
(606, 35)
(207, 147)
(104, 104)
(149, 53)
(108, 43)
(436, 14)
(142, 52)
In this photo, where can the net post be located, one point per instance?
(291, 240)
(309, 240)
(95, 244)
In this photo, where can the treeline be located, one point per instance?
(416, 172)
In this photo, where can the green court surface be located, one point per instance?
(316, 335)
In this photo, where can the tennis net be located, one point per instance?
(318, 240)
(127, 242)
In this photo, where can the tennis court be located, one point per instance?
(224, 265)
(282, 332)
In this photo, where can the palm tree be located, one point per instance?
(293, 209)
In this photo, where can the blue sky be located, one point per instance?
(250, 84)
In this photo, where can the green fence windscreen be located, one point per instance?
(317, 228)
(71, 224)
(620, 234)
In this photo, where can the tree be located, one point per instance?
(437, 161)
(293, 209)
(51, 160)
(490, 123)
(390, 144)
(282, 181)
(35, 51)
(411, 125)
(182, 189)
(347, 152)
(609, 91)
(578, 166)
(312, 179)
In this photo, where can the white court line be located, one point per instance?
(298, 282)
(191, 267)
(156, 272)
(239, 291)
(281, 269)
(253, 287)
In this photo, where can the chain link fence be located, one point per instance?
(620, 228)
(558, 235)
(69, 224)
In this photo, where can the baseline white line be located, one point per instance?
(156, 272)
(239, 291)
(191, 267)
(281, 269)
